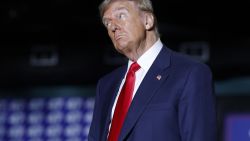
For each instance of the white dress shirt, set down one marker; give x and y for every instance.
(145, 62)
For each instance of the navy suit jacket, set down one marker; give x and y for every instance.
(180, 106)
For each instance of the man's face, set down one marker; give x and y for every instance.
(124, 22)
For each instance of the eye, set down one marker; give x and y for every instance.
(121, 16)
(107, 24)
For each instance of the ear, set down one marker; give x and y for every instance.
(148, 21)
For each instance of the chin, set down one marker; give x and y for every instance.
(121, 46)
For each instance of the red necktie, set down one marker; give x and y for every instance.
(123, 103)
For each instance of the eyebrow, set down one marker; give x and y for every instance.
(116, 9)
(121, 8)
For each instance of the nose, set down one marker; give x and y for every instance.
(114, 26)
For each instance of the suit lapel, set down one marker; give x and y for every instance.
(111, 95)
(152, 81)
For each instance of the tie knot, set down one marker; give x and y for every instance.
(134, 67)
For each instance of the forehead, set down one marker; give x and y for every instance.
(119, 6)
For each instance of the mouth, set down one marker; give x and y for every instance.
(118, 37)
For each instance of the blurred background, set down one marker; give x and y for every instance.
(53, 52)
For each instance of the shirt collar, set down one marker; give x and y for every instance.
(147, 59)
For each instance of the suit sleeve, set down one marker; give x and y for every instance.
(197, 113)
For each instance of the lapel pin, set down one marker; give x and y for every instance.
(158, 77)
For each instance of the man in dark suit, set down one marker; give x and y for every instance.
(171, 96)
